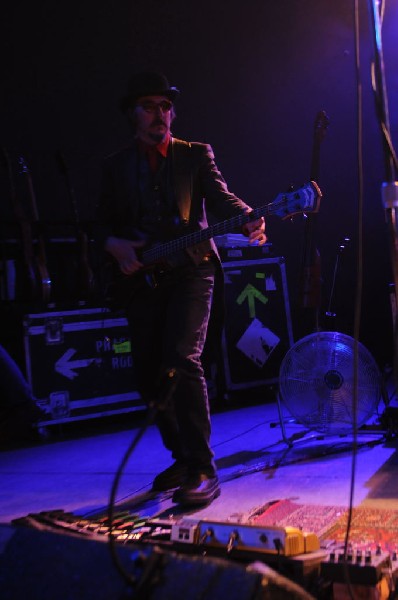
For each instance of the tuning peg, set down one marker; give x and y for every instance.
(343, 244)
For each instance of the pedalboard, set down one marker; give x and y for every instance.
(289, 550)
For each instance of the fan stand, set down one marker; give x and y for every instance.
(289, 441)
(390, 430)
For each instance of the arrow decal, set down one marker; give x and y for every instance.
(251, 294)
(65, 367)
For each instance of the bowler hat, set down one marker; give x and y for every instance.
(147, 84)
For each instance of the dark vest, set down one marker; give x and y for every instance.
(159, 215)
(157, 206)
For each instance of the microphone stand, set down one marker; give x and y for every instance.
(389, 188)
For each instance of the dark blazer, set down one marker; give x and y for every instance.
(199, 188)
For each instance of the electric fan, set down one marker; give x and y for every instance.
(317, 383)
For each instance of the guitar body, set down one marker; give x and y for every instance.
(119, 287)
(85, 274)
(311, 286)
(27, 283)
(45, 283)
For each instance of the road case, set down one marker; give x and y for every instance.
(258, 328)
(79, 364)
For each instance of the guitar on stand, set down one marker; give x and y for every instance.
(330, 312)
(85, 276)
(26, 287)
(310, 283)
(40, 259)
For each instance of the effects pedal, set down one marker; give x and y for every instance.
(286, 541)
(361, 567)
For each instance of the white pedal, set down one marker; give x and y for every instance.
(185, 531)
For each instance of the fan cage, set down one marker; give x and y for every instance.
(317, 383)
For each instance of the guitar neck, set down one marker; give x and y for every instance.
(310, 267)
(182, 243)
(85, 274)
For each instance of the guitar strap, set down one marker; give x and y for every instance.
(182, 163)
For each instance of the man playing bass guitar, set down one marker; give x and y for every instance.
(153, 191)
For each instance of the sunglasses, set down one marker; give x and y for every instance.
(152, 107)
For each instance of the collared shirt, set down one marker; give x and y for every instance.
(152, 152)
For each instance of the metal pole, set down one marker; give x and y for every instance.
(389, 188)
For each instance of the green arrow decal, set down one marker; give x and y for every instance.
(251, 293)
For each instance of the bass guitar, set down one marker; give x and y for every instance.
(310, 269)
(305, 199)
(85, 281)
(27, 287)
(45, 282)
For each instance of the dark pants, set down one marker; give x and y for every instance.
(168, 326)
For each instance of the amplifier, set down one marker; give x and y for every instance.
(258, 329)
(235, 246)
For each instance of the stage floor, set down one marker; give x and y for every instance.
(74, 470)
(302, 478)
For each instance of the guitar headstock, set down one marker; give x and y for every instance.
(320, 126)
(61, 162)
(23, 167)
(305, 199)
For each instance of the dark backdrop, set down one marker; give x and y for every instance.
(253, 76)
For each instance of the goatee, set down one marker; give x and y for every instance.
(157, 137)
